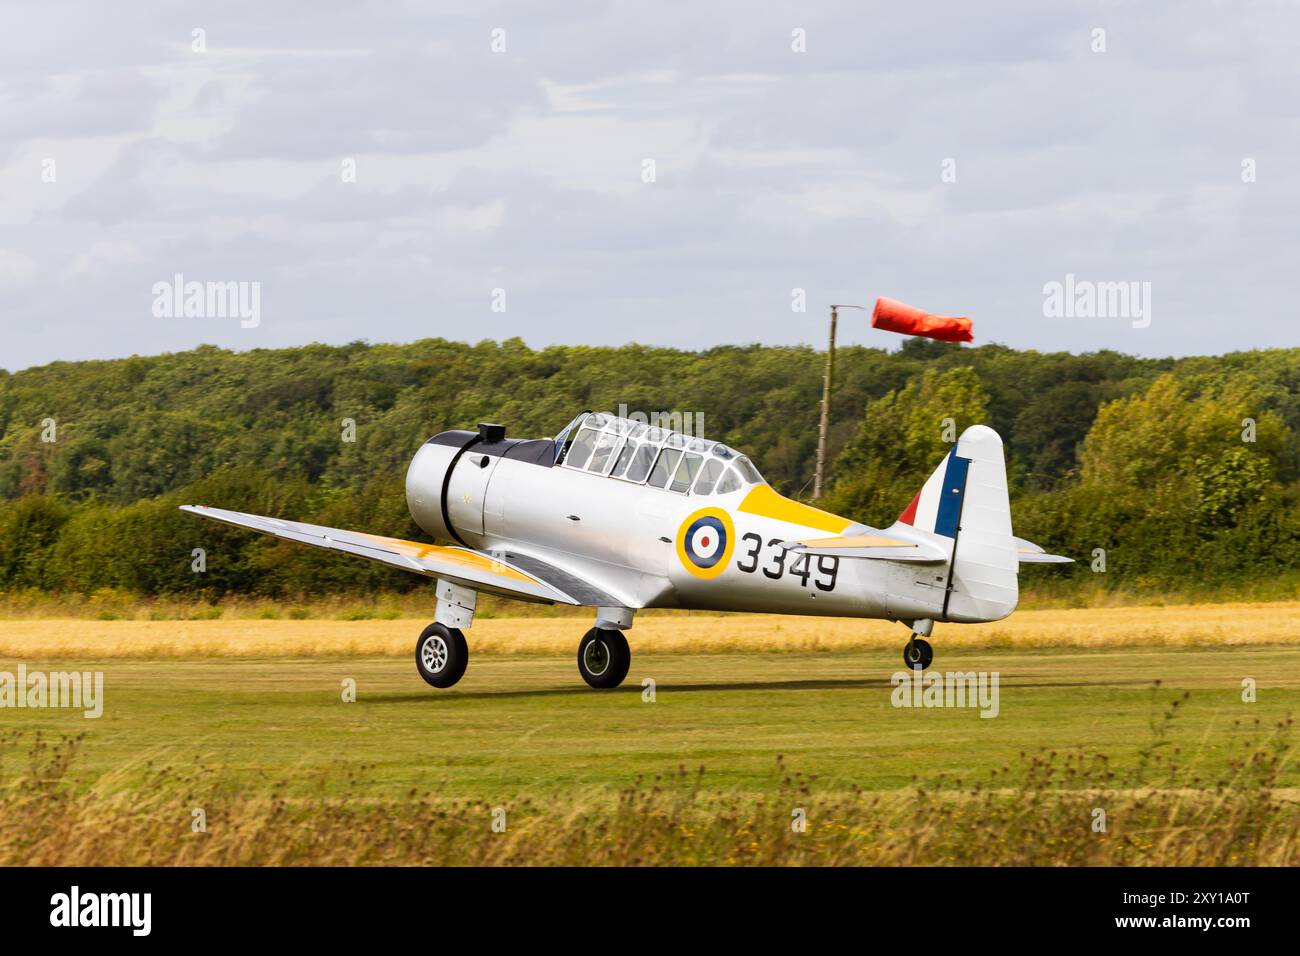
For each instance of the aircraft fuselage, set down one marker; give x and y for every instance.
(655, 547)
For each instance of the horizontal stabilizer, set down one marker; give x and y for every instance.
(875, 547)
(1029, 553)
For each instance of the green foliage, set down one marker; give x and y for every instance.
(29, 531)
(903, 437)
(1171, 489)
(1227, 484)
(1143, 458)
(1136, 441)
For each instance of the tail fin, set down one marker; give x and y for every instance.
(965, 500)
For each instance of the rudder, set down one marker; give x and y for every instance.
(965, 500)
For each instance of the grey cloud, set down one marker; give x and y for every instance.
(411, 102)
(775, 170)
(61, 107)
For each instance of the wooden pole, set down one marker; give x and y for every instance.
(819, 478)
(826, 408)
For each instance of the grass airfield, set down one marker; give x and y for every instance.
(747, 729)
(528, 725)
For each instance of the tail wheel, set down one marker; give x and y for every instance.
(918, 653)
(441, 655)
(604, 657)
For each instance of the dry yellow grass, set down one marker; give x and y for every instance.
(48, 818)
(1200, 624)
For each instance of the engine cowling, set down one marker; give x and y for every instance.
(428, 477)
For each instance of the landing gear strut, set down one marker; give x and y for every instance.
(918, 653)
(604, 657)
(441, 655)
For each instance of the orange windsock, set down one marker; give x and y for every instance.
(897, 317)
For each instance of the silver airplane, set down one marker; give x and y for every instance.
(619, 515)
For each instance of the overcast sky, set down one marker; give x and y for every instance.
(959, 158)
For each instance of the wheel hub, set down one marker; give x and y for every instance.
(433, 654)
(596, 658)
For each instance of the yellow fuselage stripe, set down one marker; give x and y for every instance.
(765, 502)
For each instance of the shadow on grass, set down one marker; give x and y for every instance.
(632, 687)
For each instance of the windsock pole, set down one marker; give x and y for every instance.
(894, 317)
(826, 402)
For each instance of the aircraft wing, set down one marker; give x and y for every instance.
(1030, 553)
(878, 547)
(495, 574)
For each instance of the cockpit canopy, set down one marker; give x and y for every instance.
(633, 451)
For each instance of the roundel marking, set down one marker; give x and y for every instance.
(705, 542)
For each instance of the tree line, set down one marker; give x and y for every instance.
(1167, 471)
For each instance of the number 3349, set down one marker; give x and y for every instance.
(823, 572)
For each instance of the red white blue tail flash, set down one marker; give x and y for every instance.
(964, 504)
(937, 506)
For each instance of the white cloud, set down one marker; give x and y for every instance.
(16, 269)
(524, 169)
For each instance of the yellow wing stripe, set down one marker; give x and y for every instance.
(765, 502)
(857, 541)
(466, 559)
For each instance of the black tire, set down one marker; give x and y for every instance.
(604, 657)
(446, 658)
(918, 653)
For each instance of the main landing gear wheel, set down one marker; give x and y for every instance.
(918, 653)
(441, 655)
(603, 657)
